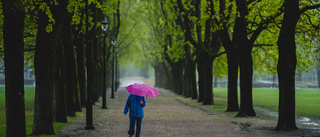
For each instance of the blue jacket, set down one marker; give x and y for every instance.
(133, 103)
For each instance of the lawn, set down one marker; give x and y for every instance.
(29, 102)
(307, 100)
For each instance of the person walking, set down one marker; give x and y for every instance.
(135, 104)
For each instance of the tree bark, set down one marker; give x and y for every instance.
(97, 54)
(13, 27)
(189, 75)
(245, 60)
(205, 79)
(59, 85)
(246, 73)
(45, 57)
(318, 75)
(233, 63)
(177, 79)
(232, 60)
(80, 58)
(71, 73)
(161, 75)
(287, 65)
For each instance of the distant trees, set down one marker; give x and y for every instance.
(239, 26)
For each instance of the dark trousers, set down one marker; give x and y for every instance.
(133, 121)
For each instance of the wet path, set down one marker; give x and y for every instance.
(165, 115)
(169, 115)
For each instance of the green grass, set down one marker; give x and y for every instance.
(307, 100)
(29, 105)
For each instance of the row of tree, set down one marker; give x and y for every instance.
(50, 35)
(186, 36)
(177, 38)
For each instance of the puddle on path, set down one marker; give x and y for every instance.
(300, 120)
(307, 121)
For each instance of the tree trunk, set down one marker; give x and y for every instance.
(160, 75)
(13, 26)
(232, 60)
(318, 70)
(187, 89)
(97, 53)
(233, 63)
(190, 75)
(156, 75)
(287, 65)
(318, 75)
(215, 83)
(79, 42)
(245, 60)
(167, 77)
(177, 70)
(205, 79)
(59, 85)
(45, 57)
(71, 73)
(246, 73)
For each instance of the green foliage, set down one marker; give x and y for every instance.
(140, 36)
(220, 67)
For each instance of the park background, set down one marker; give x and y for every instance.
(77, 49)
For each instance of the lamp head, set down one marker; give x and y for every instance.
(113, 41)
(104, 25)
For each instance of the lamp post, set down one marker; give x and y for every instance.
(89, 123)
(113, 42)
(117, 82)
(104, 27)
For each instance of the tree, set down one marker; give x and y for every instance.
(59, 106)
(49, 29)
(78, 40)
(72, 90)
(232, 57)
(239, 48)
(206, 42)
(189, 76)
(13, 27)
(287, 63)
(173, 48)
(245, 59)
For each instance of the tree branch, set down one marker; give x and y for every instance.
(261, 45)
(309, 8)
(188, 34)
(263, 25)
(127, 34)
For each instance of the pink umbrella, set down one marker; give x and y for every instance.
(142, 90)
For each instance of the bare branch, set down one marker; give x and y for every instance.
(317, 6)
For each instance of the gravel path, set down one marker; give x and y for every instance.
(169, 115)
